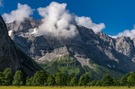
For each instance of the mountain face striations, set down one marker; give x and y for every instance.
(11, 56)
(86, 52)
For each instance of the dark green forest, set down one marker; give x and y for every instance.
(42, 78)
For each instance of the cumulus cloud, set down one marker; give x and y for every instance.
(87, 22)
(58, 21)
(126, 33)
(22, 12)
(1, 3)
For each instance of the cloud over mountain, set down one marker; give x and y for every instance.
(87, 22)
(58, 21)
(22, 12)
(126, 33)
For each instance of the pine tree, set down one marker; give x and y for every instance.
(1, 78)
(60, 79)
(29, 81)
(99, 83)
(107, 80)
(74, 81)
(51, 81)
(123, 80)
(92, 83)
(69, 78)
(18, 78)
(40, 78)
(84, 80)
(8, 76)
(131, 79)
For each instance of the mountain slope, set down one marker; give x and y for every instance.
(94, 53)
(11, 56)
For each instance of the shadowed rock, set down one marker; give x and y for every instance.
(11, 56)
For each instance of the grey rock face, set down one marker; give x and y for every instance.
(87, 47)
(125, 45)
(55, 54)
(11, 56)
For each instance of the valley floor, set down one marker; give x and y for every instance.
(24, 87)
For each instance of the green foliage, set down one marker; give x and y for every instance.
(123, 80)
(74, 81)
(99, 83)
(116, 82)
(66, 64)
(40, 78)
(29, 81)
(1, 78)
(69, 78)
(131, 79)
(107, 80)
(18, 78)
(92, 83)
(60, 79)
(51, 81)
(84, 80)
(8, 76)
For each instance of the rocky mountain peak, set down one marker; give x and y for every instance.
(87, 48)
(125, 45)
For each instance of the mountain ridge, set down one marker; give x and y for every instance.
(86, 47)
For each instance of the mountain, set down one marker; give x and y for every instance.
(11, 56)
(86, 52)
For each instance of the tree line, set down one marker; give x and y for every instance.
(42, 78)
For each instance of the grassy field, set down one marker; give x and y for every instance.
(11, 87)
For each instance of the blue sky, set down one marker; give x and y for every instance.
(117, 15)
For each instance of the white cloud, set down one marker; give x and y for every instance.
(127, 33)
(87, 22)
(22, 12)
(60, 22)
(57, 21)
(1, 3)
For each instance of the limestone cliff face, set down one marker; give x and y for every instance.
(87, 47)
(11, 56)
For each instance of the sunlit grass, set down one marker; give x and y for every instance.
(24, 87)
